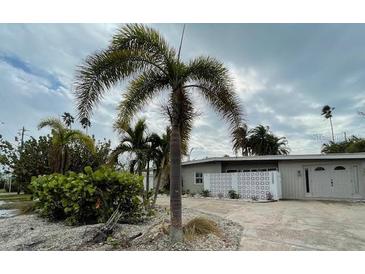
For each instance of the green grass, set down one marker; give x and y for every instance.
(14, 197)
(22, 202)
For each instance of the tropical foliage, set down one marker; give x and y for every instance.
(241, 141)
(90, 197)
(162, 161)
(142, 54)
(81, 156)
(134, 140)
(61, 139)
(41, 156)
(68, 119)
(6, 152)
(32, 159)
(352, 145)
(259, 141)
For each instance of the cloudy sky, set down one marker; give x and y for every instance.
(283, 75)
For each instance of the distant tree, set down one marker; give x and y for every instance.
(262, 142)
(351, 145)
(33, 159)
(327, 113)
(80, 155)
(6, 154)
(241, 141)
(85, 123)
(61, 139)
(68, 119)
(134, 140)
(162, 160)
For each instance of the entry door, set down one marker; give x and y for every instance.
(331, 181)
(320, 181)
(342, 182)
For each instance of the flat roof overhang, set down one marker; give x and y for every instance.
(268, 158)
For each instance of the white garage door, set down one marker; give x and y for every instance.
(331, 181)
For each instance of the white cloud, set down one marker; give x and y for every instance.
(290, 108)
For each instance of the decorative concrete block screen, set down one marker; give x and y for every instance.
(249, 185)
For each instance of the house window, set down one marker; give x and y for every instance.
(306, 174)
(340, 168)
(198, 177)
(319, 168)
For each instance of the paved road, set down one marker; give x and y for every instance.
(290, 225)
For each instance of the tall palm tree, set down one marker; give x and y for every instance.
(327, 113)
(263, 142)
(142, 54)
(68, 119)
(241, 141)
(134, 139)
(61, 138)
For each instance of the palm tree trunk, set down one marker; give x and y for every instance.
(147, 184)
(158, 182)
(148, 177)
(176, 233)
(333, 135)
(62, 160)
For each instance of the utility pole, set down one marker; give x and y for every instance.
(345, 136)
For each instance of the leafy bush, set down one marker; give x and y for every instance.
(89, 197)
(220, 195)
(200, 226)
(205, 193)
(269, 196)
(233, 195)
(254, 198)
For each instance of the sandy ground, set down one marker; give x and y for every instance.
(29, 232)
(290, 225)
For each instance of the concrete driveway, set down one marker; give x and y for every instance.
(290, 225)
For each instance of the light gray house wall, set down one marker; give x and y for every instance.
(293, 176)
(188, 175)
(291, 169)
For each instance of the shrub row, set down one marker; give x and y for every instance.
(90, 197)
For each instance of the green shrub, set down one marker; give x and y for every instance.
(89, 197)
(205, 193)
(233, 195)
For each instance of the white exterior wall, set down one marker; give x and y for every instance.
(188, 175)
(293, 185)
(247, 184)
(151, 180)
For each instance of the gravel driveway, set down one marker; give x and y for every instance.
(290, 225)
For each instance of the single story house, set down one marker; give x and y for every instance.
(320, 176)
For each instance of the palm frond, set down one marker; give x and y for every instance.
(82, 137)
(240, 140)
(53, 123)
(143, 38)
(139, 92)
(120, 149)
(103, 70)
(212, 79)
